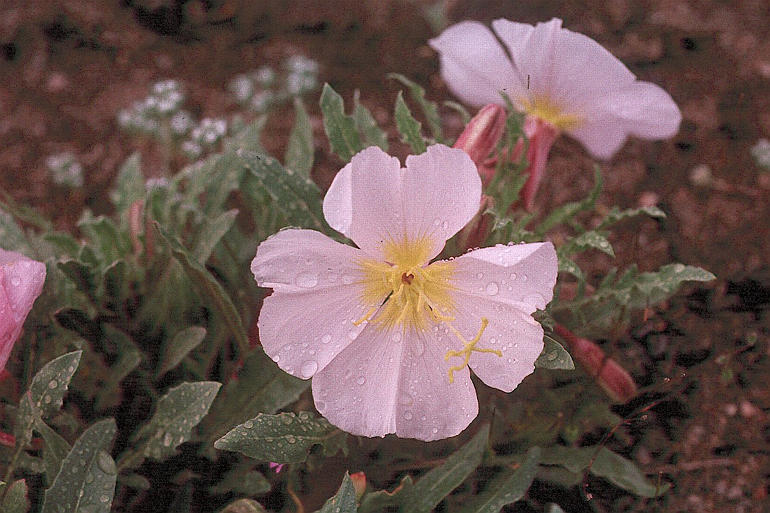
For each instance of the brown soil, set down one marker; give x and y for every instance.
(68, 66)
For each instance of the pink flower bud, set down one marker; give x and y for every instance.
(481, 136)
(276, 466)
(359, 484)
(609, 374)
(21, 281)
(541, 135)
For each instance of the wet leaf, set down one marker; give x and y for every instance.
(616, 215)
(439, 482)
(429, 108)
(282, 438)
(243, 506)
(300, 152)
(179, 346)
(554, 356)
(109, 243)
(383, 500)
(588, 240)
(340, 128)
(243, 482)
(210, 233)
(55, 450)
(344, 501)
(508, 487)
(86, 481)
(408, 127)
(367, 126)
(15, 500)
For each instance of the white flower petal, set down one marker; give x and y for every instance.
(510, 330)
(309, 317)
(358, 390)
(364, 200)
(429, 407)
(474, 65)
(522, 275)
(441, 194)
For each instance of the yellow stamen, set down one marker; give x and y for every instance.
(469, 347)
(366, 317)
(546, 109)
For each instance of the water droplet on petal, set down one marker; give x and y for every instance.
(406, 399)
(408, 415)
(309, 368)
(396, 336)
(436, 222)
(513, 276)
(326, 339)
(492, 288)
(445, 225)
(347, 280)
(306, 280)
(419, 347)
(360, 380)
(479, 275)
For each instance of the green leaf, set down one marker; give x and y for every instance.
(211, 232)
(439, 482)
(367, 126)
(588, 240)
(261, 387)
(46, 392)
(177, 413)
(282, 438)
(208, 287)
(569, 210)
(129, 358)
(224, 177)
(344, 501)
(64, 243)
(465, 117)
(408, 127)
(249, 138)
(616, 215)
(12, 236)
(55, 450)
(15, 500)
(295, 196)
(179, 346)
(243, 506)
(86, 482)
(109, 243)
(383, 500)
(604, 463)
(429, 108)
(568, 266)
(247, 483)
(507, 488)
(129, 185)
(554, 356)
(300, 152)
(340, 128)
(81, 275)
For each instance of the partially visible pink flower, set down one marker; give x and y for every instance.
(21, 281)
(565, 79)
(481, 136)
(276, 466)
(387, 336)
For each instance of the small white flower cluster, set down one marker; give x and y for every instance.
(65, 169)
(761, 153)
(207, 134)
(265, 88)
(163, 103)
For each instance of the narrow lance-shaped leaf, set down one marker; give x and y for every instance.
(179, 346)
(554, 356)
(15, 500)
(55, 450)
(209, 288)
(129, 186)
(344, 501)
(340, 128)
(408, 127)
(439, 482)
(570, 210)
(299, 154)
(177, 413)
(282, 438)
(211, 232)
(383, 500)
(86, 481)
(616, 215)
(429, 108)
(507, 488)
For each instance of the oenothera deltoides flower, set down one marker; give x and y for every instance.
(387, 335)
(21, 281)
(562, 80)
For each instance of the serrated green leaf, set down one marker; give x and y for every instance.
(295, 196)
(568, 266)
(439, 482)
(616, 215)
(282, 438)
(465, 116)
(15, 500)
(176, 414)
(507, 488)
(300, 152)
(408, 127)
(604, 463)
(211, 232)
(261, 387)
(344, 501)
(340, 128)
(383, 500)
(588, 240)
(129, 185)
(208, 287)
(243, 506)
(114, 283)
(554, 356)
(50, 383)
(429, 108)
(55, 450)
(367, 126)
(86, 482)
(81, 275)
(176, 348)
(567, 211)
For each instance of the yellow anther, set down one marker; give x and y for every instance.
(468, 348)
(366, 316)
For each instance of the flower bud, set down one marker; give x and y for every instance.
(359, 484)
(481, 136)
(541, 135)
(609, 374)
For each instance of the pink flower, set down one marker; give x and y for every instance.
(481, 136)
(387, 336)
(21, 281)
(565, 79)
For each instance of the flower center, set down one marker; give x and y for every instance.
(546, 109)
(411, 295)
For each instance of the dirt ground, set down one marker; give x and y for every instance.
(703, 360)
